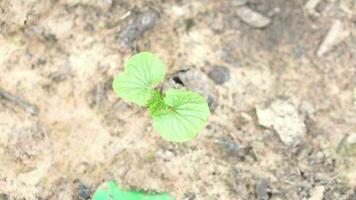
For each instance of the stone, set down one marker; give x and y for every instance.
(262, 190)
(84, 191)
(252, 18)
(245, 118)
(140, 24)
(317, 193)
(219, 74)
(194, 80)
(310, 7)
(284, 118)
(337, 33)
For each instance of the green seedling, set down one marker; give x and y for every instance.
(178, 115)
(110, 191)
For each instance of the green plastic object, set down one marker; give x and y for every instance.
(110, 191)
(178, 115)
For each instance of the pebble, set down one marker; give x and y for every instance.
(194, 80)
(310, 7)
(141, 23)
(336, 34)
(262, 190)
(219, 74)
(84, 191)
(190, 196)
(245, 118)
(165, 155)
(284, 118)
(317, 193)
(252, 17)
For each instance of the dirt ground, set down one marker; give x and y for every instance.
(279, 76)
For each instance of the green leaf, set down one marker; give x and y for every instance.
(111, 191)
(156, 104)
(184, 117)
(142, 72)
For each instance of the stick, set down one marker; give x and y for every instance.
(32, 109)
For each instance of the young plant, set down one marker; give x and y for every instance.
(178, 115)
(110, 191)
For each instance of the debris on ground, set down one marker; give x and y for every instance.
(317, 193)
(310, 7)
(252, 18)
(195, 80)
(336, 34)
(83, 192)
(284, 118)
(140, 24)
(245, 118)
(262, 190)
(30, 108)
(219, 74)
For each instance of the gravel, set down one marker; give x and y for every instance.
(219, 74)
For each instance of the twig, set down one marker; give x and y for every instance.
(32, 109)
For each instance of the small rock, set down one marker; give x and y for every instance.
(165, 155)
(138, 26)
(219, 74)
(262, 190)
(336, 34)
(317, 193)
(84, 191)
(252, 17)
(194, 80)
(310, 7)
(347, 145)
(229, 145)
(189, 196)
(284, 118)
(245, 118)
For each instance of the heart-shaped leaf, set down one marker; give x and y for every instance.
(185, 115)
(110, 191)
(142, 72)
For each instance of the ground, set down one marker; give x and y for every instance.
(283, 119)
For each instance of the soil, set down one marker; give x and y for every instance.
(64, 132)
